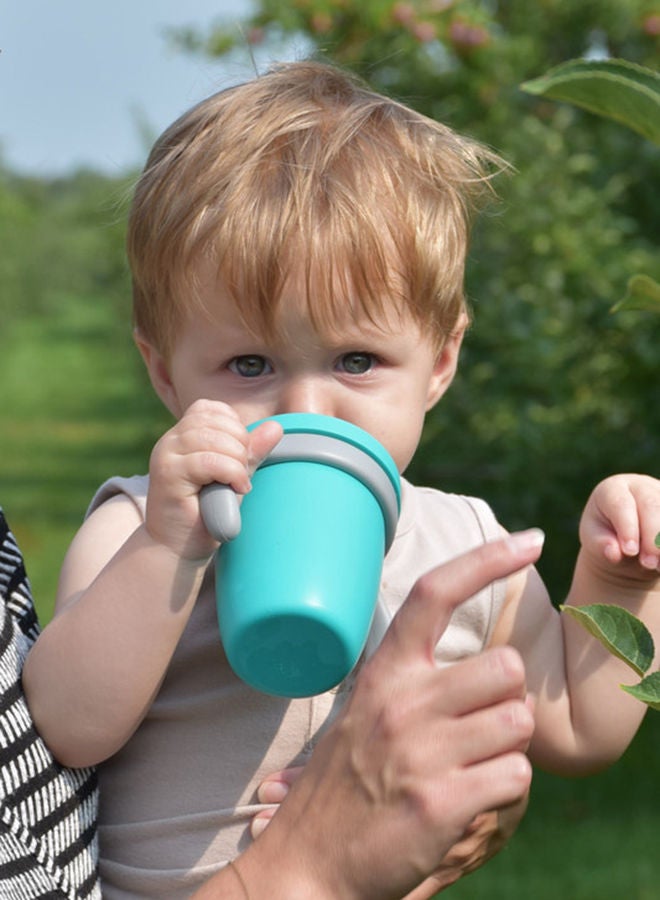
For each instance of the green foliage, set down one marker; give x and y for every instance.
(625, 93)
(643, 293)
(619, 631)
(647, 691)
(630, 95)
(61, 236)
(613, 88)
(76, 405)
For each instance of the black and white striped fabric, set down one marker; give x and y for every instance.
(48, 844)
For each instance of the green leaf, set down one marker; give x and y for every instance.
(613, 88)
(619, 631)
(648, 690)
(643, 293)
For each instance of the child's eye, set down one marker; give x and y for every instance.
(250, 366)
(356, 363)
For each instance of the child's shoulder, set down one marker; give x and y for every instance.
(435, 527)
(427, 506)
(134, 488)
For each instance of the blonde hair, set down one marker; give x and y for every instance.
(305, 166)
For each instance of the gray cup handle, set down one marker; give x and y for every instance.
(220, 511)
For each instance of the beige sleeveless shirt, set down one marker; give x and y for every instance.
(177, 800)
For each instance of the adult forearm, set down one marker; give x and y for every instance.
(265, 873)
(94, 670)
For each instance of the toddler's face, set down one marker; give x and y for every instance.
(382, 376)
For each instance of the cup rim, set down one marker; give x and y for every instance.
(330, 426)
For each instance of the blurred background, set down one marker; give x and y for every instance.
(554, 391)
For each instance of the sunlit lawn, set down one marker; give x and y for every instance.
(588, 839)
(77, 408)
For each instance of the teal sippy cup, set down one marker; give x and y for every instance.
(299, 566)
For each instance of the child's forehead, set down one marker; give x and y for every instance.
(330, 305)
(344, 322)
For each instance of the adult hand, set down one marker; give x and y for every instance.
(415, 756)
(483, 838)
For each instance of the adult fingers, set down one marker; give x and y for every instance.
(422, 619)
(469, 790)
(483, 839)
(502, 728)
(509, 778)
(495, 675)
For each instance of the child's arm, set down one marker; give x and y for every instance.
(584, 721)
(127, 589)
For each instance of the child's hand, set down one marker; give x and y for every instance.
(208, 444)
(621, 523)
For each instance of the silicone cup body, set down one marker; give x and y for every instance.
(296, 589)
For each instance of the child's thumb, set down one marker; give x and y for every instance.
(262, 441)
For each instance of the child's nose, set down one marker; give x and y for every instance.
(306, 395)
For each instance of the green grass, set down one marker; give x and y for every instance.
(586, 839)
(77, 408)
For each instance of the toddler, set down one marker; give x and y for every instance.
(297, 244)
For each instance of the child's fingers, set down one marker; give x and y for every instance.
(275, 787)
(261, 821)
(208, 444)
(649, 554)
(627, 519)
(647, 497)
(614, 527)
(262, 440)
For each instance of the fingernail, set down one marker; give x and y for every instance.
(258, 825)
(527, 540)
(273, 791)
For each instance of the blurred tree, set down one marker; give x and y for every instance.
(17, 223)
(58, 237)
(553, 392)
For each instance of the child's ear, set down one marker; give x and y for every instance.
(158, 372)
(446, 363)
